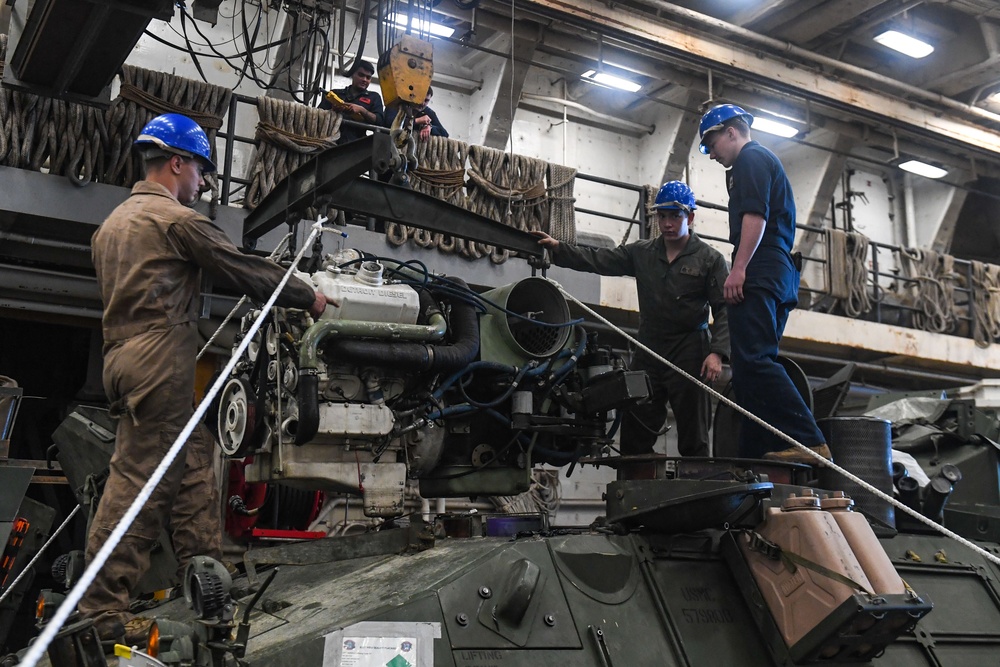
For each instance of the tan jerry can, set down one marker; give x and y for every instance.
(867, 549)
(801, 600)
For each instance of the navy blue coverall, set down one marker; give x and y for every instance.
(757, 184)
(368, 99)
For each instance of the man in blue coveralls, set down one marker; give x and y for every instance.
(762, 287)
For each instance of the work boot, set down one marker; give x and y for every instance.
(796, 455)
(110, 632)
(137, 632)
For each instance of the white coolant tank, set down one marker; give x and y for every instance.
(364, 297)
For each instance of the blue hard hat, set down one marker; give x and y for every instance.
(715, 119)
(675, 194)
(179, 134)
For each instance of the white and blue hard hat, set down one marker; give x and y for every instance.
(176, 133)
(715, 119)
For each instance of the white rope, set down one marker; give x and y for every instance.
(243, 299)
(73, 597)
(858, 302)
(830, 464)
(38, 555)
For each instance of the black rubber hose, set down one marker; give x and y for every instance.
(428, 305)
(405, 356)
(465, 333)
(308, 395)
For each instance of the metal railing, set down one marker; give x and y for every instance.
(890, 292)
(238, 103)
(888, 288)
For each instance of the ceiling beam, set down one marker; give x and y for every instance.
(725, 55)
(680, 149)
(752, 15)
(871, 20)
(821, 20)
(986, 73)
(981, 74)
(508, 95)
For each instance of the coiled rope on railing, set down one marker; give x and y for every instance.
(440, 174)
(992, 557)
(71, 140)
(5, 95)
(510, 189)
(986, 303)
(73, 596)
(847, 271)
(652, 224)
(933, 292)
(562, 218)
(507, 188)
(19, 129)
(287, 135)
(87, 144)
(146, 94)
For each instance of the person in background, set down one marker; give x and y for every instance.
(425, 121)
(149, 255)
(679, 278)
(356, 102)
(762, 287)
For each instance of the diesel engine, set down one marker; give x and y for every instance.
(412, 375)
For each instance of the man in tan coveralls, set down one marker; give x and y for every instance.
(149, 255)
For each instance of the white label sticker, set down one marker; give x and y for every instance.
(379, 652)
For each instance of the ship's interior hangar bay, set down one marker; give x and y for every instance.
(564, 117)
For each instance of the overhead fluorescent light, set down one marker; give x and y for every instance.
(905, 44)
(774, 127)
(612, 81)
(922, 169)
(422, 26)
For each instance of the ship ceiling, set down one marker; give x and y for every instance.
(813, 64)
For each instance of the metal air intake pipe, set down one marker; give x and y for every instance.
(308, 390)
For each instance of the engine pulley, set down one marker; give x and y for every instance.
(238, 425)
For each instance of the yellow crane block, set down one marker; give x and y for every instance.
(405, 73)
